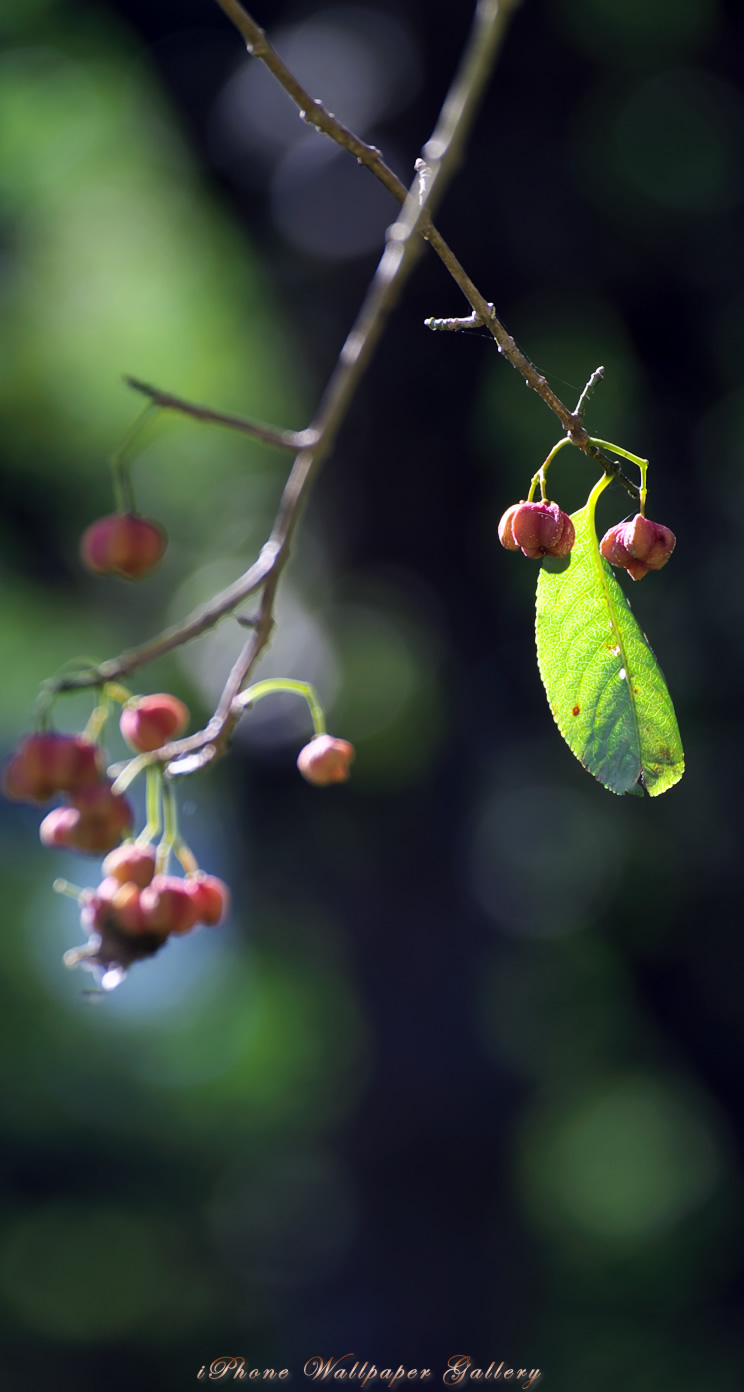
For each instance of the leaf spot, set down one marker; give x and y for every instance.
(576, 710)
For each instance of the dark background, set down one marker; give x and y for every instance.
(462, 1073)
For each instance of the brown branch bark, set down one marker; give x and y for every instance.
(490, 17)
(402, 250)
(405, 241)
(268, 434)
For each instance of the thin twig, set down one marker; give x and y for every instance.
(402, 250)
(471, 321)
(401, 253)
(489, 13)
(582, 402)
(311, 111)
(403, 247)
(199, 621)
(270, 434)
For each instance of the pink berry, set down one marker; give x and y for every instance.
(167, 906)
(126, 906)
(44, 765)
(123, 544)
(151, 721)
(113, 907)
(505, 527)
(326, 760)
(210, 896)
(537, 529)
(94, 822)
(638, 546)
(59, 828)
(130, 864)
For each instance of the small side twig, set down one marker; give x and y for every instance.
(471, 321)
(583, 400)
(402, 250)
(271, 435)
(405, 242)
(490, 18)
(401, 253)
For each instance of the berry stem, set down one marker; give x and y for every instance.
(624, 454)
(97, 720)
(592, 500)
(267, 688)
(539, 477)
(643, 466)
(116, 692)
(170, 824)
(186, 856)
(131, 770)
(154, 818)
(172, 839)
(123, 490)
(124, 499)
(64, 887)
(54, 687)
(634, 459)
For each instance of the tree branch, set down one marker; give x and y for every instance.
(490, 19)
(402, 250)
(271, 435)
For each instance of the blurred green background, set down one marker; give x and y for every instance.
(462, 1072)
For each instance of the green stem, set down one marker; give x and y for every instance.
(615, 449)
(98, 717)
(154, 818)
(643, 466)
(131, 771)
(634, 459)
(539, 477)
(592, 500)
(64, 887)
(172, 839)
(186, 856)
(267, 688)
(123, 491)
(116, 692)
(170, 825)
(50, 690)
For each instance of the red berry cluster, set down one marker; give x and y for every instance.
(94, 817)
(134, 910)
(537, 529)
(123, 544)
(137, 906)
(638, 546)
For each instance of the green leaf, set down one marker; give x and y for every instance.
(605, 687)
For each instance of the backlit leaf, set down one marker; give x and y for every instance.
(606, 689)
